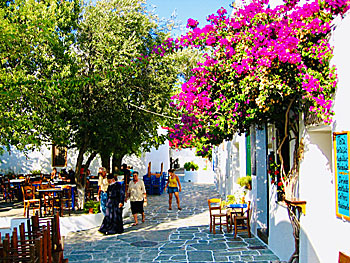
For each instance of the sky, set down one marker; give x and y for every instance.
(185, 9)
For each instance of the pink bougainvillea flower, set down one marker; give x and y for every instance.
(191, 23)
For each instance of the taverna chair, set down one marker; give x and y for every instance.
(241, 221)
(29, 200)
(218, 216)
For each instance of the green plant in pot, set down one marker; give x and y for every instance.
(92, 207)
(231, 199)
(36, 172)
(238, 197)
(191, 166)
(245, 182)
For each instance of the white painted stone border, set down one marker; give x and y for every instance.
(67, 224)
(203, 176)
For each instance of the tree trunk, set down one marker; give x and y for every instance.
(285, 138)
(291, 177)
(106, 161)
(90, 159)
(80, 179)
(116, 162)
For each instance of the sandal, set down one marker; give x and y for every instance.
(134, 224)
(179, 208)
(170, 208)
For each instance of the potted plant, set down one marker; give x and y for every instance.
(231, 199)
(92, 207)
(245, 182)
(10, 175)
(191, 166)
(191, 174)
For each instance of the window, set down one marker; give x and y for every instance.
(59, 156)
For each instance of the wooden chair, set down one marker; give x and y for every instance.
(217, 216)
(29, 200)
(56, 242)
(14, 250)
(41, 243)
(52, 223)
(36, 185)
(57, 203)
(67, 198)
(242, 221)
(89, 191)
(47, 200)
(8, 190)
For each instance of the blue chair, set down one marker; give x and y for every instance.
(148, 184)
(157, 185)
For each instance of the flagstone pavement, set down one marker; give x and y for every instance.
(169, 236)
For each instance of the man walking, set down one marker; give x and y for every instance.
(138, 197)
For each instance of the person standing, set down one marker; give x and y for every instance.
(138, 197)
(55, 175)
(174, 187)
(130, 168)
(71, 176)
(113, 221)
(102, 189)
(126, 173)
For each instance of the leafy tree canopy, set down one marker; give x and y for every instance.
(87, 76)
(34, 39)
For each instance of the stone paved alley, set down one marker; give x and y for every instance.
(169, 236)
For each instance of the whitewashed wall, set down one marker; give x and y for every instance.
(156, 157)
(323, 235)
(41, 159)
(19, 163)
(230, 164)
(317, 189)
(281, 240)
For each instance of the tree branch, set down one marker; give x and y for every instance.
(286, 123)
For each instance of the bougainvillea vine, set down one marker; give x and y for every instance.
(257, 61)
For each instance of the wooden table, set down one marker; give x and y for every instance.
(94, 184)
(234, 209)
(73, 187)
(93, 181)
(43, 192)
(17, 180)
